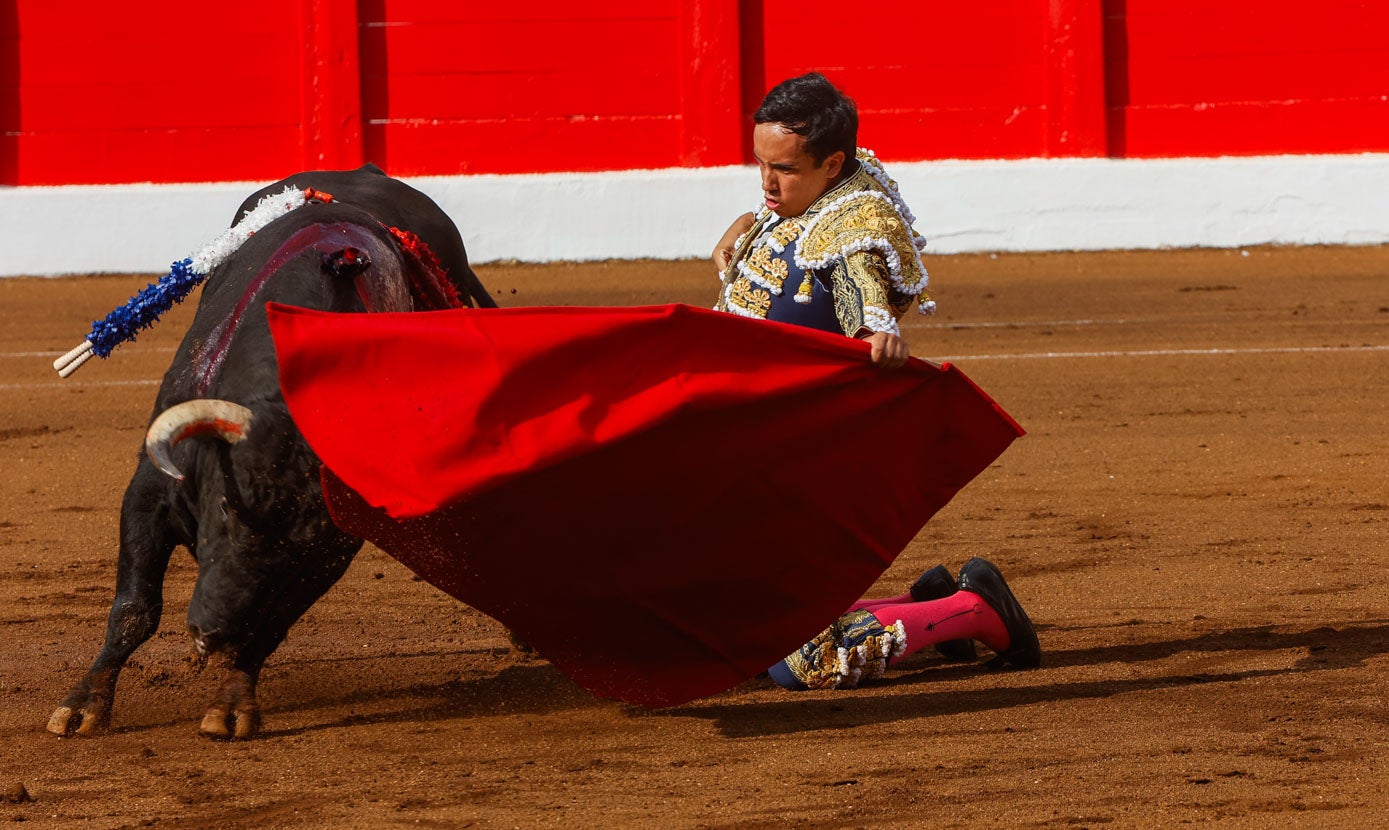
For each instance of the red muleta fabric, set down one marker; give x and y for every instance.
(662, 501)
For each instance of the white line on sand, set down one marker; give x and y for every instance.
(1166, 353)
(951, 358)
(56, 353)
(1032, 324)
(78, 384)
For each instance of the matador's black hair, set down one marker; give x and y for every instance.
(813, 107)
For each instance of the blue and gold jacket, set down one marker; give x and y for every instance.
(851, 263)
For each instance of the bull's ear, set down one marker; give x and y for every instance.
(347, 263)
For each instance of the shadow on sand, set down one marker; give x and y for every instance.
(537, 687)
(1327, 648)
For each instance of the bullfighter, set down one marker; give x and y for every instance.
(833, 248)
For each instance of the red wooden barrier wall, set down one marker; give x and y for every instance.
(97, 92)
(94, 92)
(472, 87)
(1201, 78)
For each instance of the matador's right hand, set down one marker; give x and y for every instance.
(723, 252)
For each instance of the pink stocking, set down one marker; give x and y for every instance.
(961, 616)
(871, 604)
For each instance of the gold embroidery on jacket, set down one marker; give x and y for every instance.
(786, 232)
(766, 269)
(862, 221)
(848, 305)
(749, 297)
(869, 271)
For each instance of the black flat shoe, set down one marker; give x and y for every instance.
(979, 576)
(937, 583)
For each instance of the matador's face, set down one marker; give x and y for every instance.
(791, 180)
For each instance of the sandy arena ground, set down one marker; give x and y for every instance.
(1197, 522)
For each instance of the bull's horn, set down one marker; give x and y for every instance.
(202, 416)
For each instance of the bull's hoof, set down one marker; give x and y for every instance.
(86, 711)
(223, 724)
(236, 714)
(86, 722)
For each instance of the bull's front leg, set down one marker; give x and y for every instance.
(144, 557)
(235, 711)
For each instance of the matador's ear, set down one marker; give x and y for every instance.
(834, 163)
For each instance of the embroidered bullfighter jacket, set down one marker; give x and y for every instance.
(851, 263)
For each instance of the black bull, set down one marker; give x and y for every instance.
(252, 513)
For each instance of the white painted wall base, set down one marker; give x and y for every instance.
(962, 206)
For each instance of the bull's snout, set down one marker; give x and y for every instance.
(206, 642)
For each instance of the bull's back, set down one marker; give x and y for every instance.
(395, 203)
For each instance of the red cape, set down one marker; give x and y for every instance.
(662, 501)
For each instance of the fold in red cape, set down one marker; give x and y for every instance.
(662, 501)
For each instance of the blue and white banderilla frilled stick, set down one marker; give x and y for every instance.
(142, 310)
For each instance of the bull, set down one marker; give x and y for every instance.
(249, 507)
